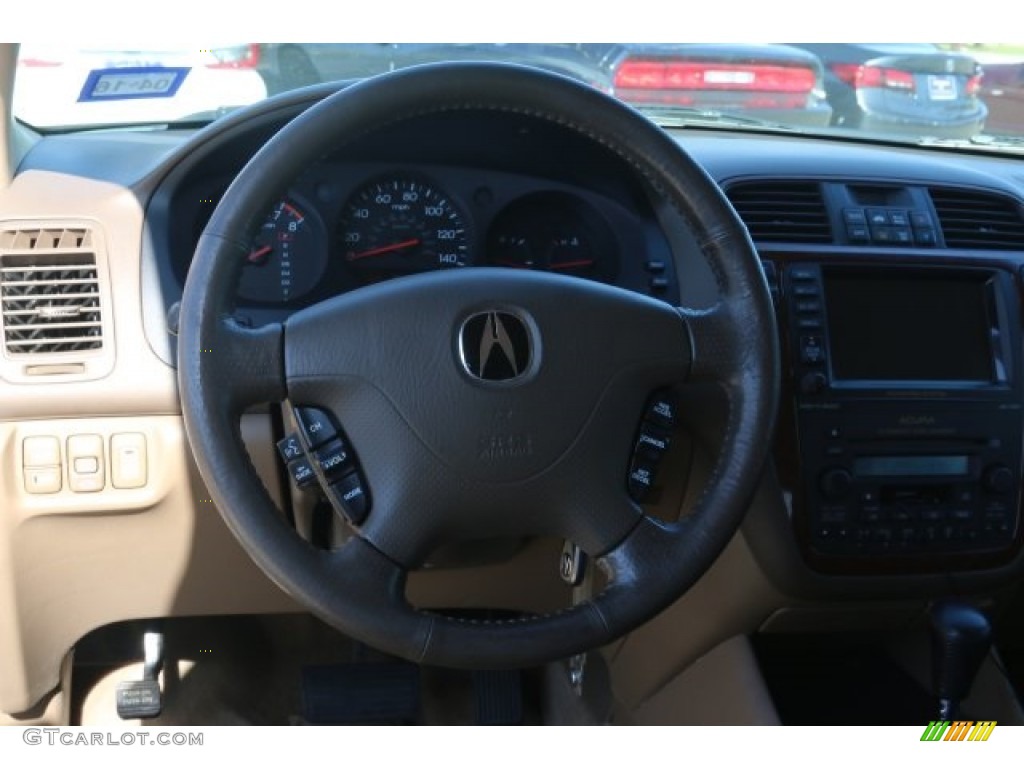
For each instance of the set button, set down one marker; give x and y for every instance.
(652, 442)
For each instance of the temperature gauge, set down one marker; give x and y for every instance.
(555, 232)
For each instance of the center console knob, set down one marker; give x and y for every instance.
(998, 479)
(835, 482)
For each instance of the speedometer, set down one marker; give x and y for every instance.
(396, 226)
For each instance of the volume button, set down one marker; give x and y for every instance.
(835, 483)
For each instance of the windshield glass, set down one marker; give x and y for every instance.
(969, 94)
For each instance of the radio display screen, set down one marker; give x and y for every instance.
(909, 326)
(911, 466)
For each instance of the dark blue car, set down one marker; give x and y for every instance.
(904, 88)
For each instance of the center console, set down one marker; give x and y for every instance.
(908, 420)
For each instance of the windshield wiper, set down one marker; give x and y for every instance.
(993, 142)
(684, 117)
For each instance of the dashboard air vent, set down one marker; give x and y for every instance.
(782, 212)
(980, 220)
(50, 292)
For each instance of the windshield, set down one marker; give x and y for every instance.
(969, 94)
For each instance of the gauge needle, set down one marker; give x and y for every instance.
(571, 264)
(257, 256)
(383, 249)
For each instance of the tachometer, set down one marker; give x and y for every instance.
(287, 257)
(397, 226)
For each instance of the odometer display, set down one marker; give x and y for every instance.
(399, 226)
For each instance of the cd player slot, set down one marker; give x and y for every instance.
(916, 495)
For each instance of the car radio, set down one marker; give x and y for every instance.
(907, 388)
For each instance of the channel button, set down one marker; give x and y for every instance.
(316, 426)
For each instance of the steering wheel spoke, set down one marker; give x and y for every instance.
(713, 334)
(250, 360)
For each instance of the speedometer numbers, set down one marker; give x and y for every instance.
(400, 226)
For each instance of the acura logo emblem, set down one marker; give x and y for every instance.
(495, 346)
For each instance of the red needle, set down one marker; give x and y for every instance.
(383, 249)
(259, 253)
(571, 264)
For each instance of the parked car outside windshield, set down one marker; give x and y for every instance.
(904, 92)
(63, 86)
(912, 88)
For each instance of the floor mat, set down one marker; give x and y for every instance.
(830, 680)
(250, 670)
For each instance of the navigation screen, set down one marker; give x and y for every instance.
(911, 326)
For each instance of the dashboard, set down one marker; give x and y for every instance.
(895, 285)
(897, 459)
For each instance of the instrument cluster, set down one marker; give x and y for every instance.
(342, 226)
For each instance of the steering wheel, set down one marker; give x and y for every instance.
(398, 364)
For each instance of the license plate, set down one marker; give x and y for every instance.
(728, 77)
(941, 87)
(132, 83)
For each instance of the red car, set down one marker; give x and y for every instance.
(775, 83)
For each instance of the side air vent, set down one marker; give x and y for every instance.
(979, 220)
(52, 302)
(782, 212)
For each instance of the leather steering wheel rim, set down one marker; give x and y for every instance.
(359, 588)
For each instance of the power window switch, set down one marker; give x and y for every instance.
(85, 463)
(128, 461)
(42, 479)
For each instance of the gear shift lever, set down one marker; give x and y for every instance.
(961, 638)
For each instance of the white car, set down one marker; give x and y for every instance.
(58, 86)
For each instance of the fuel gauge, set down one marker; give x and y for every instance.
(555, 232)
